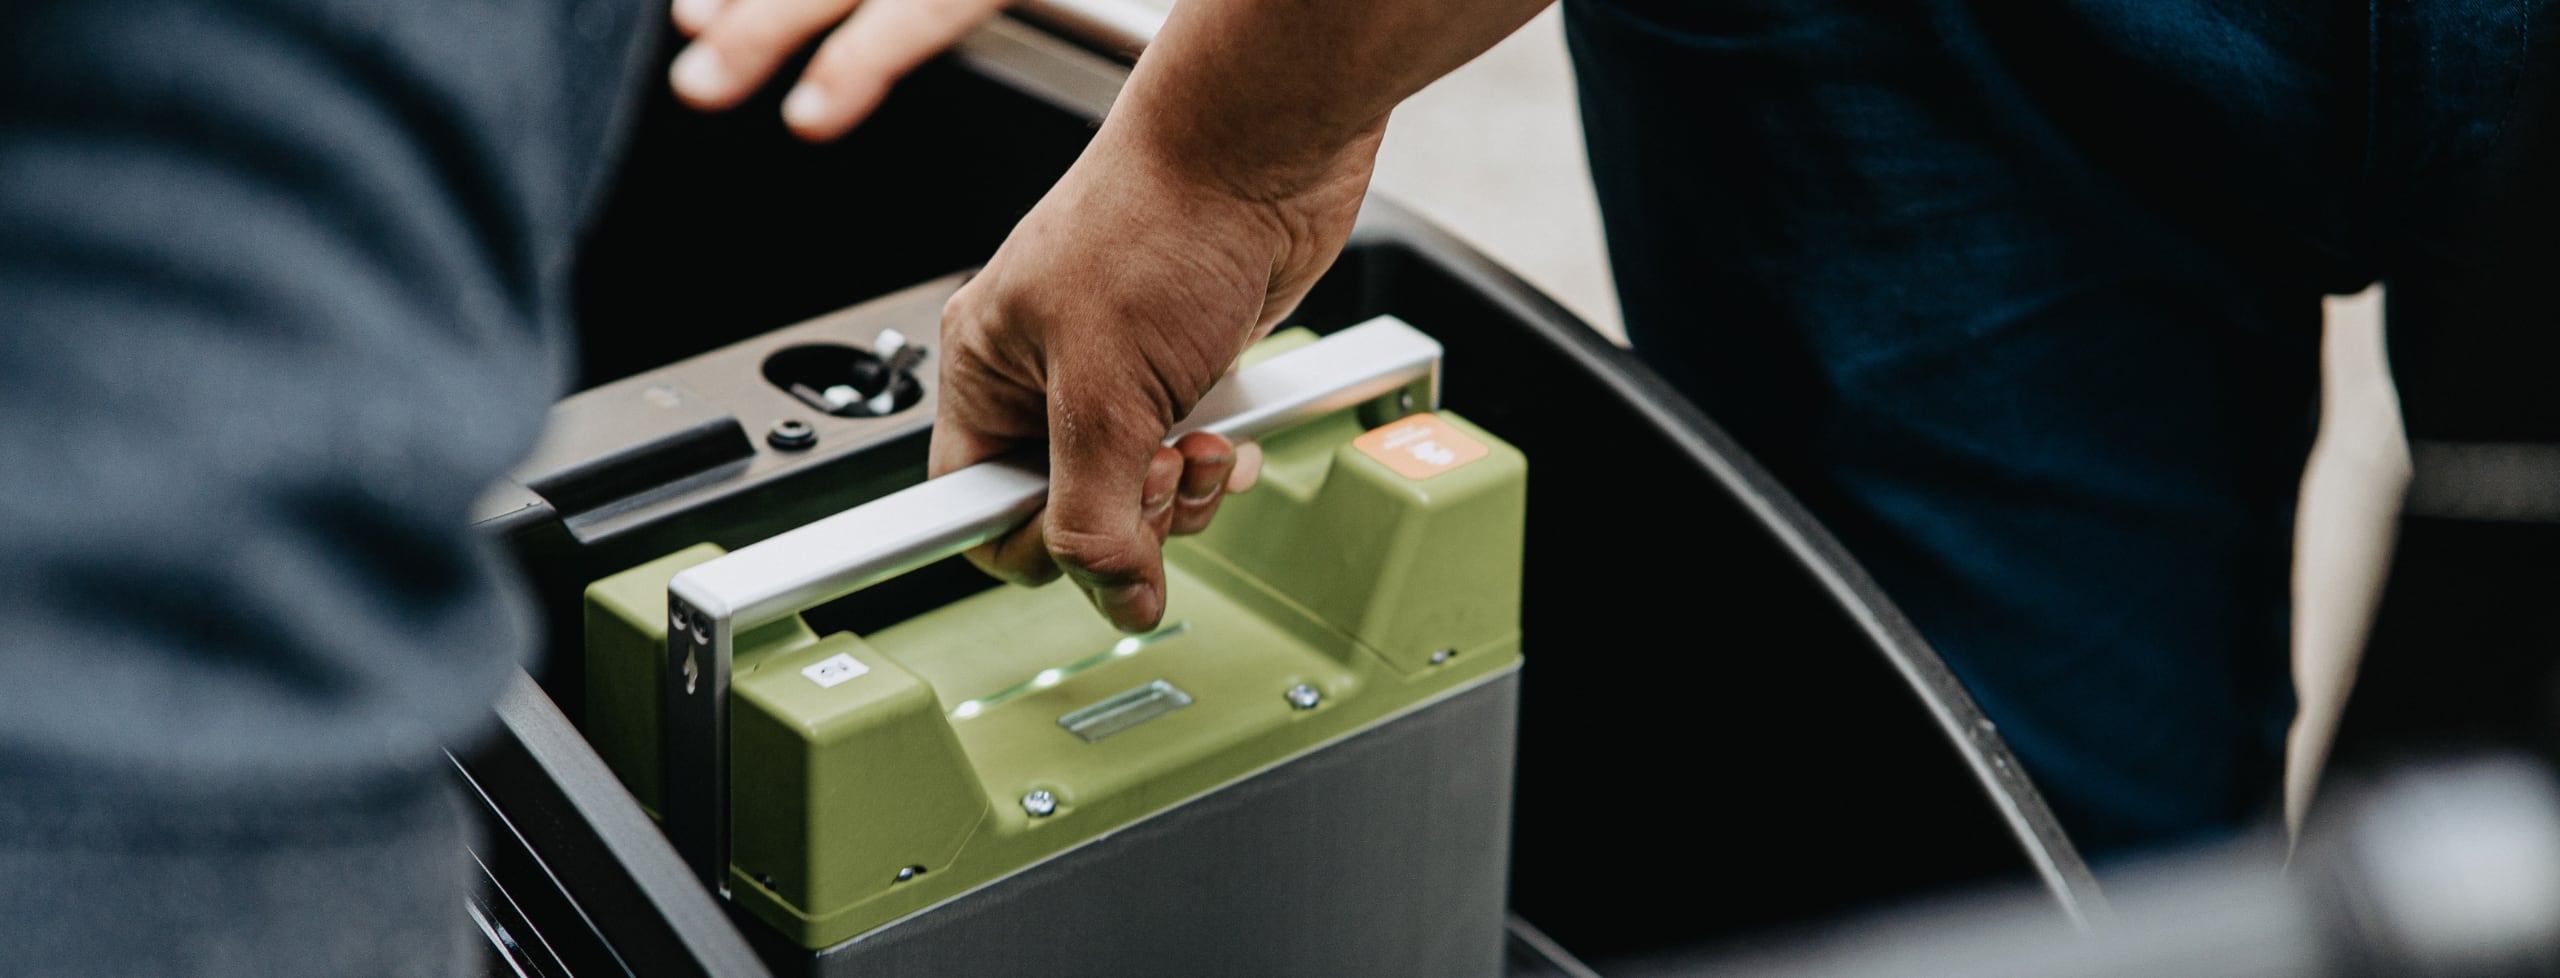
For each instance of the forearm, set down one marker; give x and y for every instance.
(1262, 95)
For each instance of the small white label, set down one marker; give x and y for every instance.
(834, 670)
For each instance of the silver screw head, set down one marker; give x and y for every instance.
(1443, 656)
(910, 872)
(1303, 696)
(1040, 803)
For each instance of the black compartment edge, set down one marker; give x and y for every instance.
(1400, 263)
(559, 828)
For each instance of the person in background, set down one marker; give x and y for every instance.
(738, 45)
(283, 288)
(2022, 300)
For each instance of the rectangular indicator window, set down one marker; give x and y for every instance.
(1124, 711)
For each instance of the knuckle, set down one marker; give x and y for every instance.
(1030, 570)
(1014, 565)
(1203, 448)
(1098, 557)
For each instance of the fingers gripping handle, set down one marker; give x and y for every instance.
(765, 582)
(841, 554)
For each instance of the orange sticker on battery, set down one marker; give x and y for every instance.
(1421, 446)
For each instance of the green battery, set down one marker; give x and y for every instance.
(1372, 572)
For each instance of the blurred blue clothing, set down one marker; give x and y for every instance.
(283, 286)
(2024, 300)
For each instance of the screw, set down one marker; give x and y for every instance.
(1443, 655)
(1404, 401)
(1303, 696)
(1040, 803)
(764, 880)
(791, 435)
(909, 873)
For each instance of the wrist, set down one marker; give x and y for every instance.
(1258, 146)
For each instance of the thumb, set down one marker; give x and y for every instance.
(1111, 491)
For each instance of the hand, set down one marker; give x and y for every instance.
(1115, 304)
(738, 44)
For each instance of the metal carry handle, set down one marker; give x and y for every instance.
(779, 577)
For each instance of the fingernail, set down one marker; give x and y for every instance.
(1131, 607)
(1196, 490)
(699, 73)
(806, 107)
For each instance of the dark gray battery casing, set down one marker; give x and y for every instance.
(1382, 854)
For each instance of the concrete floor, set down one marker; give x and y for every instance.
(1494, 153)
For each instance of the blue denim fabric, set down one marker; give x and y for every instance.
(2023, 299)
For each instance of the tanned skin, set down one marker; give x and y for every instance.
(1223, 183)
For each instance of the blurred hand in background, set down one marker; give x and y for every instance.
(738, 45)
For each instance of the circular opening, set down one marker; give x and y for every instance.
(842, 381)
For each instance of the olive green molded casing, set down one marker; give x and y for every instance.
(864, 799)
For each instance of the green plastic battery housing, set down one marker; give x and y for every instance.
(877, 775)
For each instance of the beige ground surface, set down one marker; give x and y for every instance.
(1493, 152)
